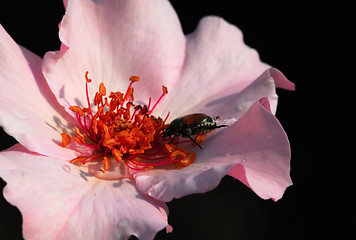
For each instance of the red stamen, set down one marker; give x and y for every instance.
(77, 110)
(134, 78)
(165, 91)
(149, 103)
(129, 89)
(98, 155)
(86, 77)
(66, 139)
(166, 117)
(129, 134)
(88, 80)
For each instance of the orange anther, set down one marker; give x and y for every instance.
(105, 118)
(129, 94)
(134, 79)
(165, 90)
(100, 110)
(108, 142)
(123, 149)
(167, 147)
(105, 164)
(187, 160)
(102, 89)
(135, 151)
(106, 130)
(77, 110)
(191, 156)
(123, 134)
(66, 139)
(86, 77)
(77, 140)
(117, 154)
(97, 98)
(114, 104)
(177, 153)
(78, 160)
(79, 134)
(95, 126)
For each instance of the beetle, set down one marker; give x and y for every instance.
(190, 125)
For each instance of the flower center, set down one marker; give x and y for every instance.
(123, 131)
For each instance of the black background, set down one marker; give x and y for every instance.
(311, 44)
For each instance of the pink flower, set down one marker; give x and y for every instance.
(210, 71)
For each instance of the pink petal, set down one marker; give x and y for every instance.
(217, 61)
(255, 150)
(199, 177)
(28, 110)
(65, 3)
(234, 102)
(60, 201)
(281, 81)
(265, 152)
(115, 40)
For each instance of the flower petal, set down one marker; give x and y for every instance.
(281, 81)
(65, 3)
(232, 104)
(115, 40)
(59, 201)
(255, 150)
(264, 148)
(28, 110)
(200, 177)
(217, 60)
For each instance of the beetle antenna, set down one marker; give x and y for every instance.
(221, 126)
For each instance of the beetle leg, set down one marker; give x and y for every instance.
(174, 138)
(193, 140)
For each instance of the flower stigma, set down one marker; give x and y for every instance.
(123, 133)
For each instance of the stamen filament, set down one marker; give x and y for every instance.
(100, 154)
(165, 91)
(166, 117)
(149, 104)
(87, 92)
